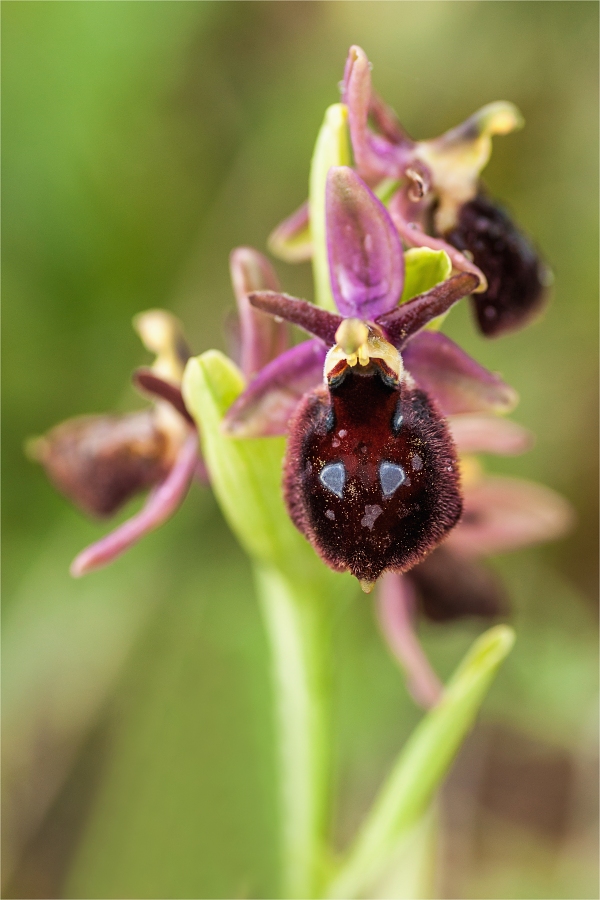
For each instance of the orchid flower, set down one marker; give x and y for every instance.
(436, 200)
(367, 275)
(396, 418)
(100, 462)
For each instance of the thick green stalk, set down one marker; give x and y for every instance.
(297, 593)
(297, 630)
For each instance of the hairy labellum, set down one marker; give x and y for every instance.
(100, 462)
(370, 475)
(514, 272)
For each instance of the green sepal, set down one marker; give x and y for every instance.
(423, 269)
(331, 149)
(422, 765)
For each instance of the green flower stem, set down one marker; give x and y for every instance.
(421, 766)
(297, 594)
(297, 631)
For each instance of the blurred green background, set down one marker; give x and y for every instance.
(142, 141)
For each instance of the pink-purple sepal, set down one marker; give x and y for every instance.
(454, 379)
(501, 514)
(489, 434)
(377, 156)
(405, 321)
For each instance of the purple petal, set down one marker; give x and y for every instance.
(406, 320)
(376, 156)
(366, 262)
(502, 514)
(261, 337)
(291, 239)
(160, 505)
(489, 434)
(396, 606)
(266, 405)
(454, 379)
(149, 383)
(311, 318)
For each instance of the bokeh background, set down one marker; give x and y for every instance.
(142, 141)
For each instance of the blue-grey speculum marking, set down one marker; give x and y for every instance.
(391, 477)
(333, 477)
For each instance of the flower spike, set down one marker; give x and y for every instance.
(100, 462)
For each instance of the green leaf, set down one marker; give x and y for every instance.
(331, 149)
(422, 765)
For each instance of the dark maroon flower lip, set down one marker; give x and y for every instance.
(370, 474)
